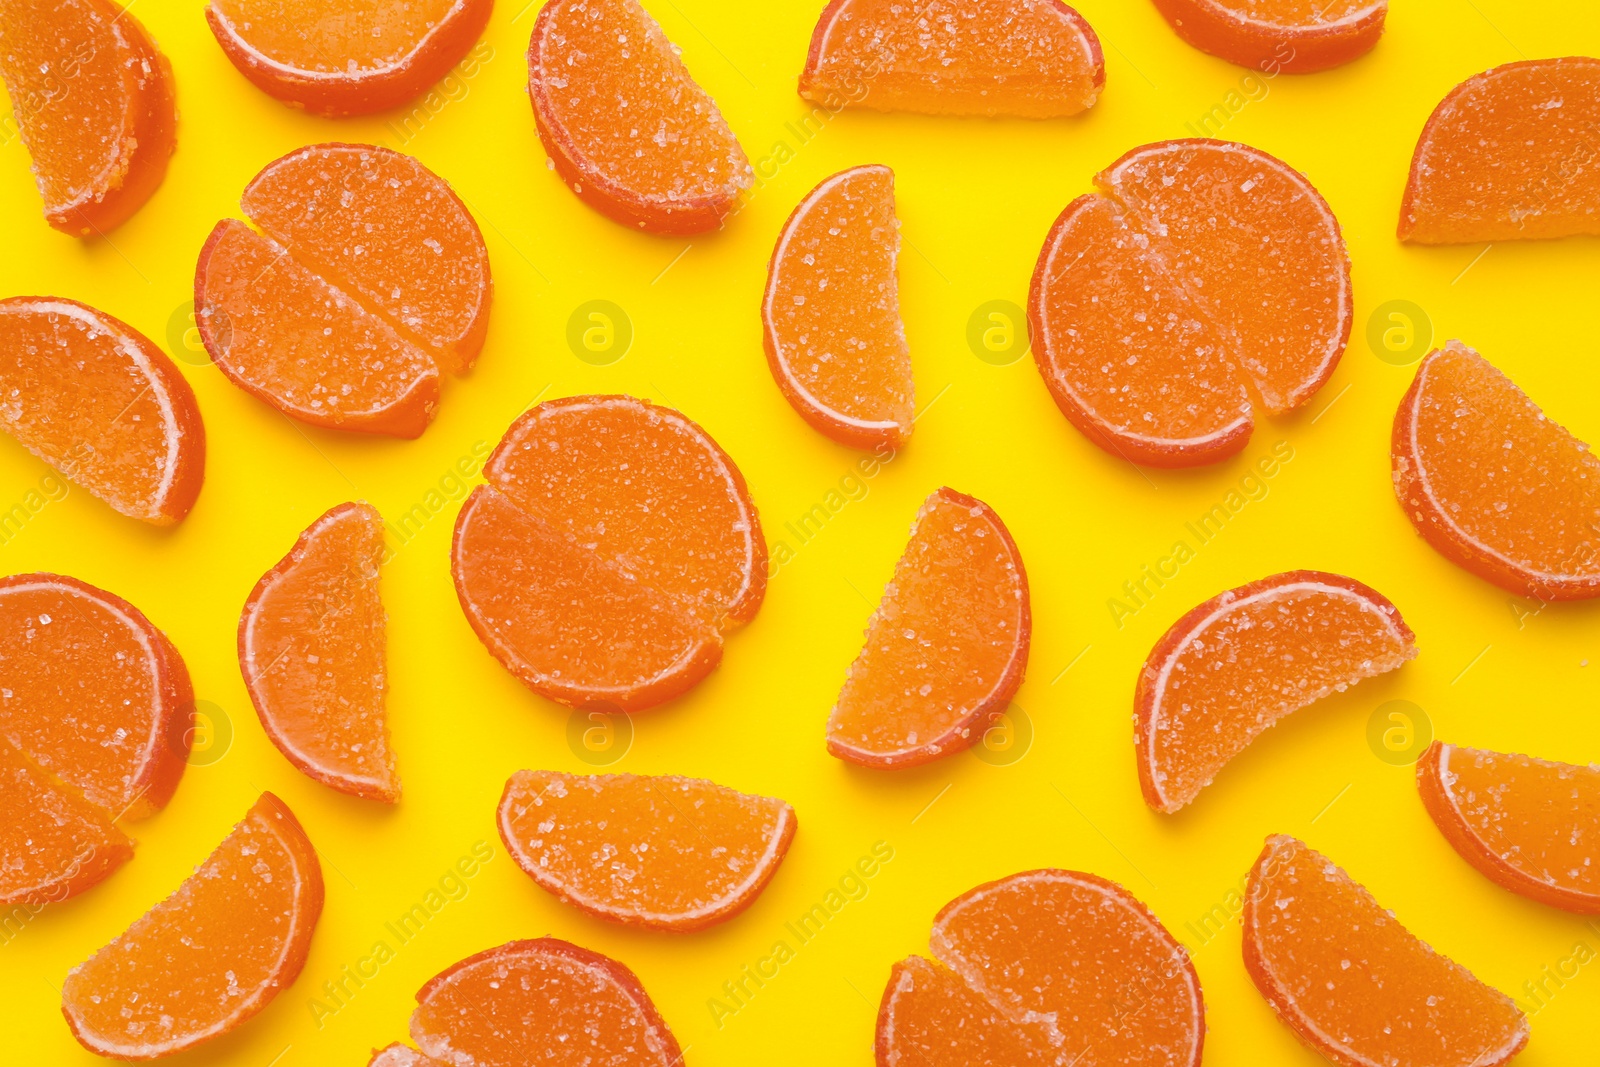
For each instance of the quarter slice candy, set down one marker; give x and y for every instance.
(1529, 825)
(346, 57)
(946, 649)
(831, 316)
(612, 547)
(53, 843)
(1279, 36)
(623, 122)
(93, 100)
(1509, 154)
(1242, 661)
(1354, 984)
(1026, 58)
(1203, 272)
(208, 958)
(1047, 967)
(544, 1001)
(663, 852)
(312, 652)
(95, 399)
(1493, 483)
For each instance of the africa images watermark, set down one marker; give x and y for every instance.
(851, 488)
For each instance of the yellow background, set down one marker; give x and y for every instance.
(975, 200)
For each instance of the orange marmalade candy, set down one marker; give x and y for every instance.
(1279, 36)
(612, 547)
(1529, 825)
(1493, 483)
(946, 649)
(369, 277)
(1507, 155)
(663, 852)
(346, 57)
(94, 103)
(213, 954)
(95, 399)
(53, 843)
(1204, 272)
(831, 315)
(1354, 984)
(544, 1001)
(1034, 59)
(311, 649)
(1044, 967)
(398, 1055)
(623, 122)
(1237, 664)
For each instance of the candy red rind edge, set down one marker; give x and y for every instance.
(787, 825)
(386, 792)
(678, 217)
(407, 418)
(999, 698)
(618, 972)
(1144, 689)
(866, 438)
(335, 95)
(1464, 839)
(1204, 25)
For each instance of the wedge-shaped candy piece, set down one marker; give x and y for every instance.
(542, 1001)
(1246, 658)
(1509, 155)
(369, 278)
(1279, 36)
(1354, 984)
(1530, 825)
(386, 230)
(93, 100)
(663, 852)
(312, 652)
(1204, 272)
(1493, 483)
(95, 399)
(1044, 967)
(398, 1055)
(612, 547)
(1034, 59)
(947, 647)
(53, 843)
(625, 125)
(346, 57)
(213, 954)
(93, 692)
(831, 316)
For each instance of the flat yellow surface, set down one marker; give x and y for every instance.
(975, 199)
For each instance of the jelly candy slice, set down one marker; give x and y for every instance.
(312, 651)
(95, 399)
(1028, 58)
(53, 843)
(1529, 825)
(1354, 984)
(93, 100)
(623, 122)
(543, 1001)
(389, 232)
(613, 545)
(1279, 36)
(831, 316)
(1509, 154)
(682, 853)
(1239, 663)
(1052, 966)
(290, 338)
(213, 954)
(398, 1055)
(346, 57)
(946, 649)
(1492, 483)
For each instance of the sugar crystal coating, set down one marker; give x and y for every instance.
(1279, 36)
(53, 843)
